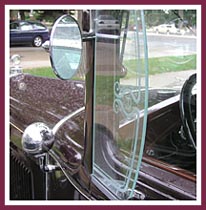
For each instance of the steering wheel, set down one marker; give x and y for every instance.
(188, 109)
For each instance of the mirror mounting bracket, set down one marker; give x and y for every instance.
(45, 167)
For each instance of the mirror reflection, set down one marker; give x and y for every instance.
(66, 47)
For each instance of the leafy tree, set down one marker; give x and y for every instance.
(152, 17)
(179, 17)
(47, 15)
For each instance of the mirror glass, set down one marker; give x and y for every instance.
(65, 47)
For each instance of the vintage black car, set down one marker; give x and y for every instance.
(106, 137)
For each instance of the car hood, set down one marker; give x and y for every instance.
(39, 99)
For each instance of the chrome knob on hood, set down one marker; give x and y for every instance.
(37, 138)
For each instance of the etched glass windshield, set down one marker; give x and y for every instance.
(120, 99)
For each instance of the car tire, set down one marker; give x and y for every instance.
(38, 41)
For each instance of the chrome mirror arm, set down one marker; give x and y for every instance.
(62, 121)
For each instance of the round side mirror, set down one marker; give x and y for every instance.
(65, 47)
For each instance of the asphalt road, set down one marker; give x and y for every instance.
(158, 45)
(164, 45)
(170, 45)
(31, 57)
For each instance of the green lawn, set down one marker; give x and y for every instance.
(163, 64)
(156, 66)
(45, 72)
(42, 72)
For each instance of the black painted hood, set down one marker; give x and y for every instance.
(40, 99)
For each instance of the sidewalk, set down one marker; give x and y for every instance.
(173, 80)
(170, 79)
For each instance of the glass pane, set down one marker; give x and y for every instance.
(172, 44)
(120, 99)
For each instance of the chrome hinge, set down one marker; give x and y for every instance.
(136, 195)
(44, 166)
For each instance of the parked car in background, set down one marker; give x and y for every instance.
(168, 29)
(28, 32)
(105, 23)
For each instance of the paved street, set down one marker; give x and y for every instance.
(31, 57)
(159, 45)
(163, 45)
